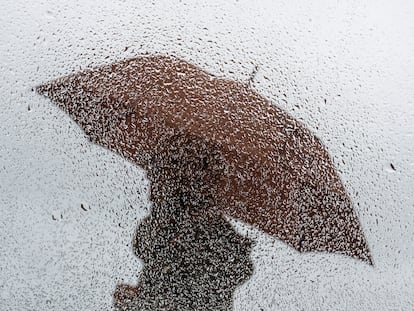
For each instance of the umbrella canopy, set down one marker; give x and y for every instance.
(277, 176)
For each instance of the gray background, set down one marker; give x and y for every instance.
(344, 68)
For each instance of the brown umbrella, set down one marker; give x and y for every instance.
(278, 176)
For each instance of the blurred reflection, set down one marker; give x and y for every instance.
(193, 258)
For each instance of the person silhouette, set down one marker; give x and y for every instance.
(193, 258)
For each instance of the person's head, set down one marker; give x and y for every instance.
(187, 168)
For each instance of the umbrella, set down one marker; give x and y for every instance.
(277, 175)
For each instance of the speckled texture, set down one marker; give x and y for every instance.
(235, 153)
(275, 170)
(193, 257)
(343, 68)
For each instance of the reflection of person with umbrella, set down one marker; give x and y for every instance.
(277, 176)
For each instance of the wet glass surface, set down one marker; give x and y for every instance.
(235, 220)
